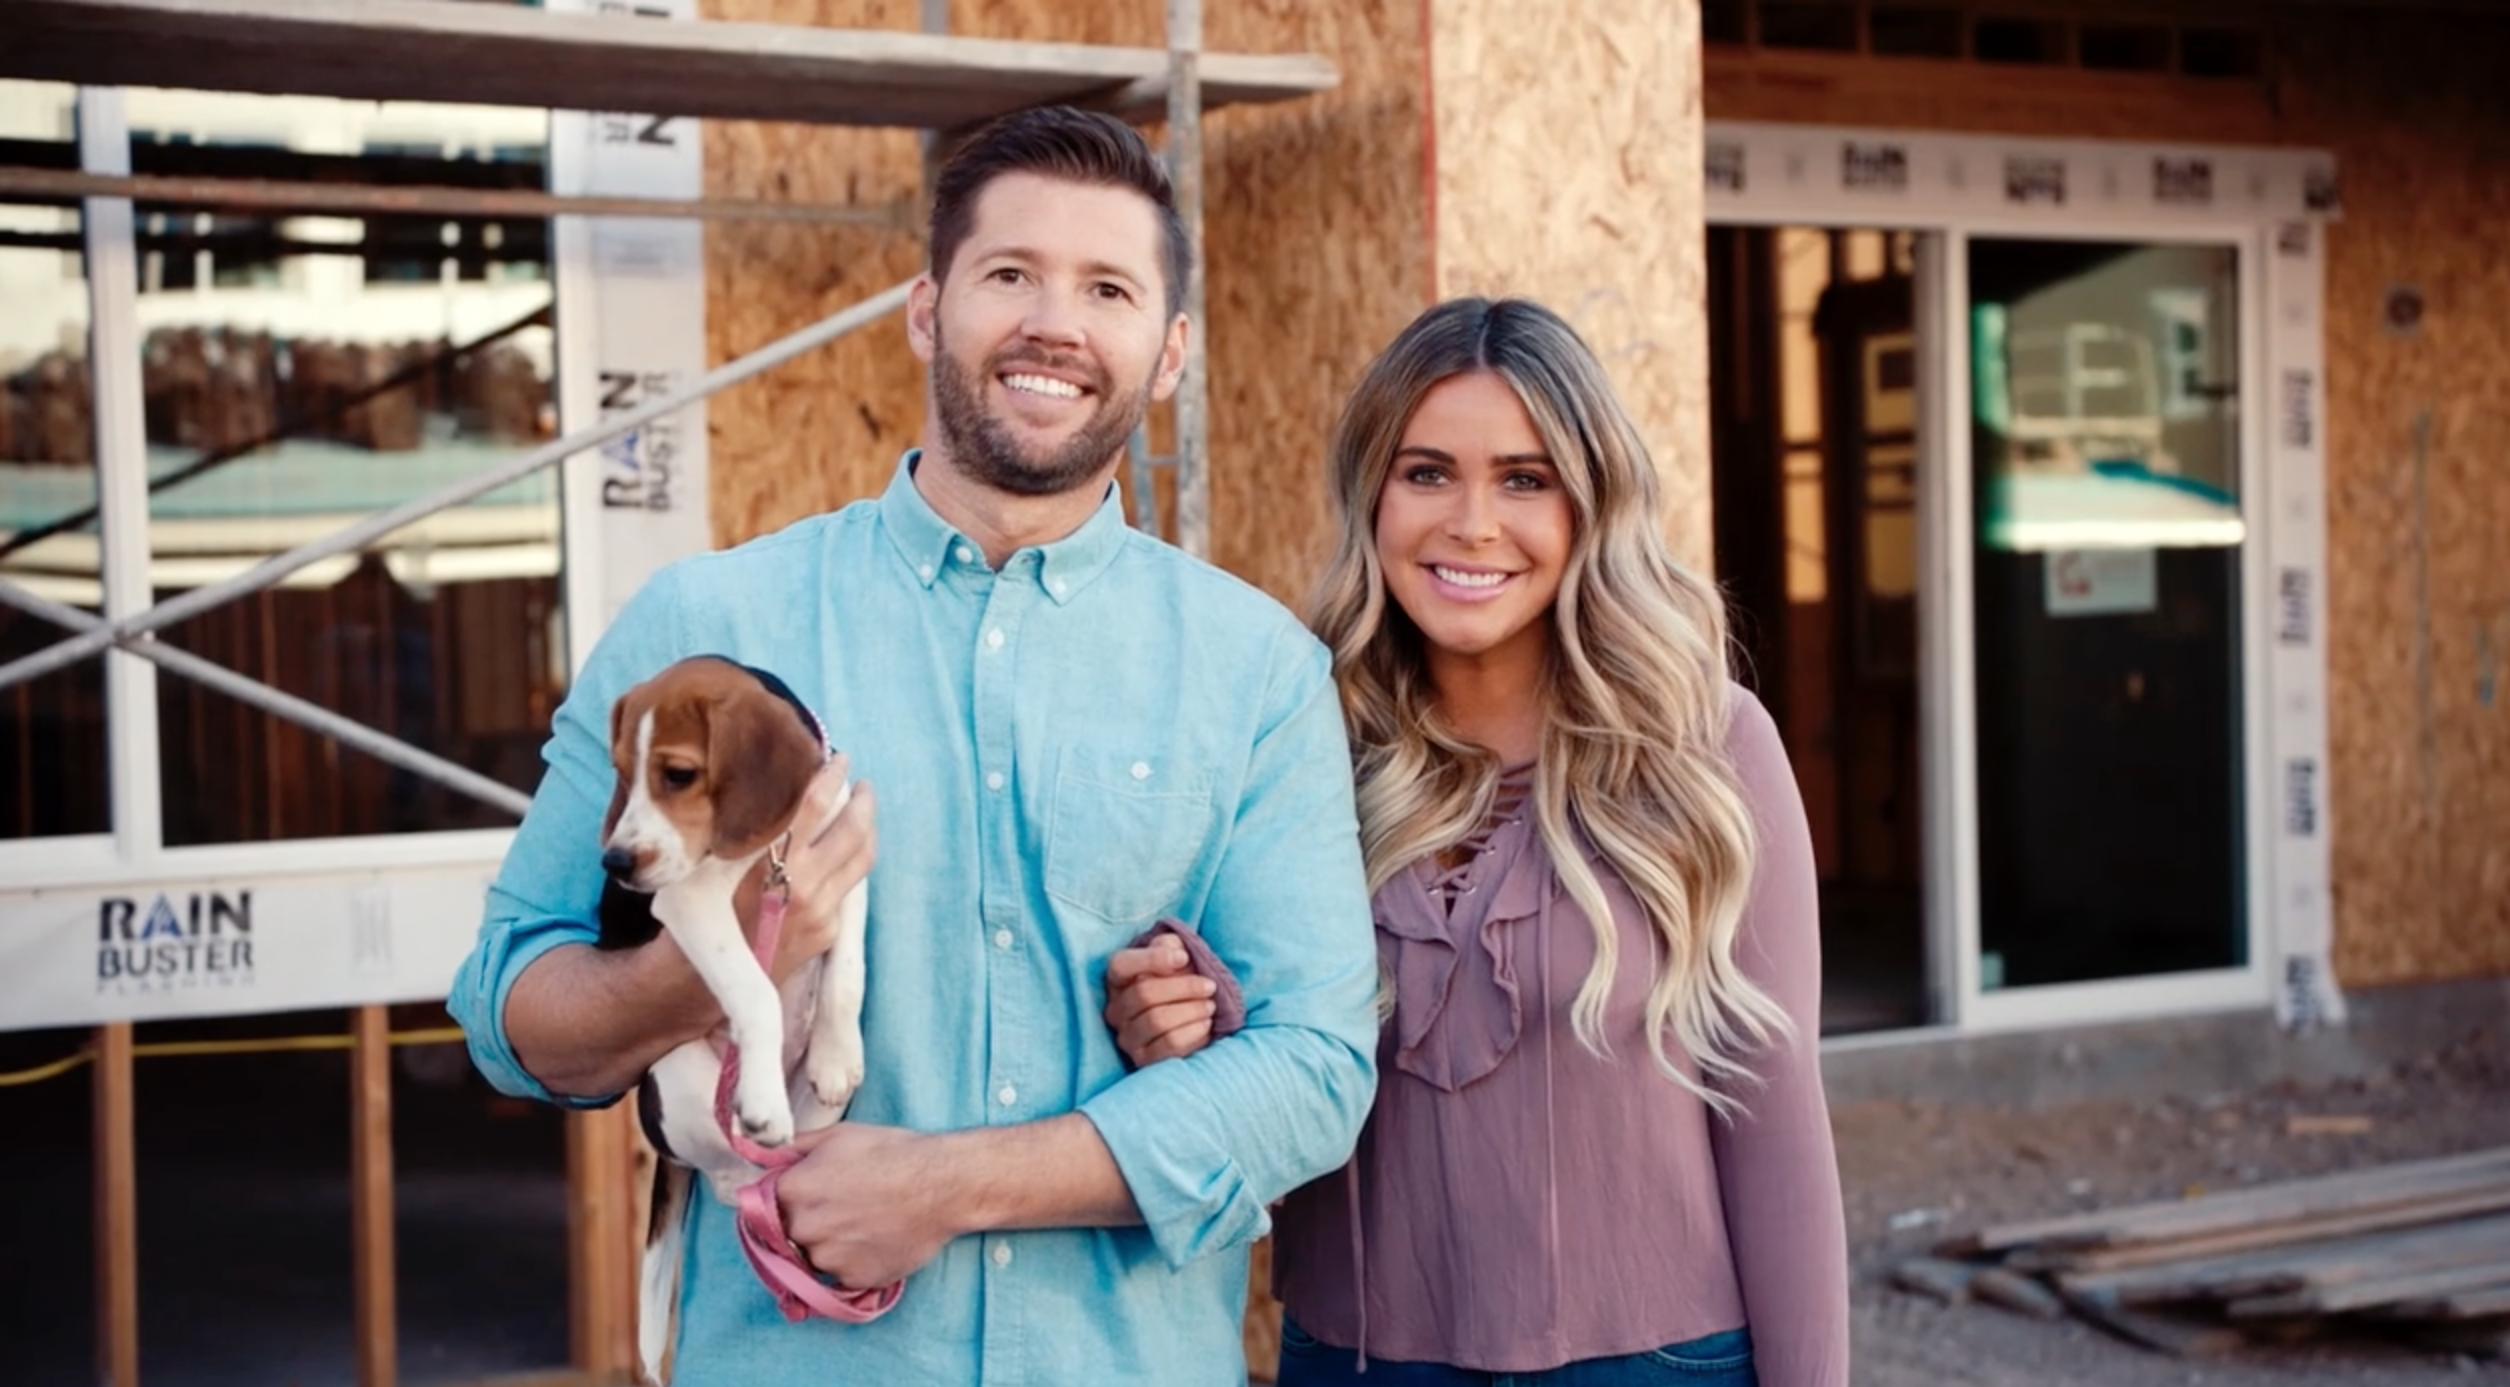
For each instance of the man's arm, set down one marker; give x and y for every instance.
(869, 1205)
(1195, 1150)
(1207, 1143)
(588, 1023)
(541, 921)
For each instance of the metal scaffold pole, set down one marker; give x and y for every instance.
(1185, 168)
(269, 571)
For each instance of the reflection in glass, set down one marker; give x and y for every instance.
(53, 770)
(2107, 562)
(1813, 417)
(302, 372)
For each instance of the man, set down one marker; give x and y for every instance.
(1077, 730)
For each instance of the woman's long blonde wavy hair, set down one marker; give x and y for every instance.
(1633, 750)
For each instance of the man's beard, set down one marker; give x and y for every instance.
(983, 448)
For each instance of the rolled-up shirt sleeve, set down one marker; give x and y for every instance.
(548, 889)
(1207, 1142)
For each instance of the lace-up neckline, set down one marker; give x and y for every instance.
(1456, 873)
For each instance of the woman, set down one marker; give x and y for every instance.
(1599, 1152)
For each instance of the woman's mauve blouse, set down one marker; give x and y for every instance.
(1516, 1202)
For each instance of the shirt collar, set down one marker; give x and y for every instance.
(930, 545)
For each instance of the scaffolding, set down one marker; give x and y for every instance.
(506, 54)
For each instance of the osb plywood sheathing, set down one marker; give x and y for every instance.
(2418, 499)
(828, 427)
(1568, 171)
(1317, 243)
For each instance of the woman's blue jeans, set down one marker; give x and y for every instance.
(1717, 1360)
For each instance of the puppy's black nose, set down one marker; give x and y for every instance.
(620, 863)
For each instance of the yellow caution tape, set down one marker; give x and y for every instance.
(440, 1035)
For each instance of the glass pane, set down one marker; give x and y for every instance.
(2106, 447)
(1815, 488)
(303, 372)
(53, 774)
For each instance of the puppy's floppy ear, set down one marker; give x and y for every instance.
(760, 759)
(624, 768)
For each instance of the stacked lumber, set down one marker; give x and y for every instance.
(47, 413)
(222, 389)
(2418, 1250)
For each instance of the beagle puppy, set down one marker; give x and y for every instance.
(713, 758)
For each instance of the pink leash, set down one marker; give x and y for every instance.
(781, 1265)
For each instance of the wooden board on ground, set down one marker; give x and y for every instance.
(2184, 1336)
(2483, 1302)
(2403, 1183)
(2372, 1293)
(2271, 1233)
(2291, 1267)
(2412, 1249)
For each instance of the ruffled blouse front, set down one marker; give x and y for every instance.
(1518, 1202)
(1446, 933)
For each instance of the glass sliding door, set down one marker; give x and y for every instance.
(2106, 540)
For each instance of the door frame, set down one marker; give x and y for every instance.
(2271, 206)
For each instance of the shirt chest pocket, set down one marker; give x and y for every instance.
(1125, 835)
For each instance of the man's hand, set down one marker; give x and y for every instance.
(1157, 1005)
(832, 851)
(862, 1204)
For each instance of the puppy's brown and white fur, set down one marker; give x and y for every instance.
(712, 766)
(713, 761)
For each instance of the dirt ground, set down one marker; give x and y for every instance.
(1917, 1171)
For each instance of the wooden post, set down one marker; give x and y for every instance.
(601, 1242)
(117, 1211)
(370, 1196)
(642, 1159)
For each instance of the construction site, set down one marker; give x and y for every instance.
(2088, 409)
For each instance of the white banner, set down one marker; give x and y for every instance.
(231, 946)
(2296, 489)
(1825, 175)
(631, 325)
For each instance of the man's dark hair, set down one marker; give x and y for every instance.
(1056, 142)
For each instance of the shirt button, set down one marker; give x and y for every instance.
(993, 780)
(966, 554)
(1002, 1254)
(1141, 770)
(1002, 939)
(1006, 1095)
(993, 639)
(925, 572)
(1056, 586)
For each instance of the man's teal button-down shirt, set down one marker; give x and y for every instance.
(1100, 733)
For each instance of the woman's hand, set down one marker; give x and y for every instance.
(1157, 1005)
